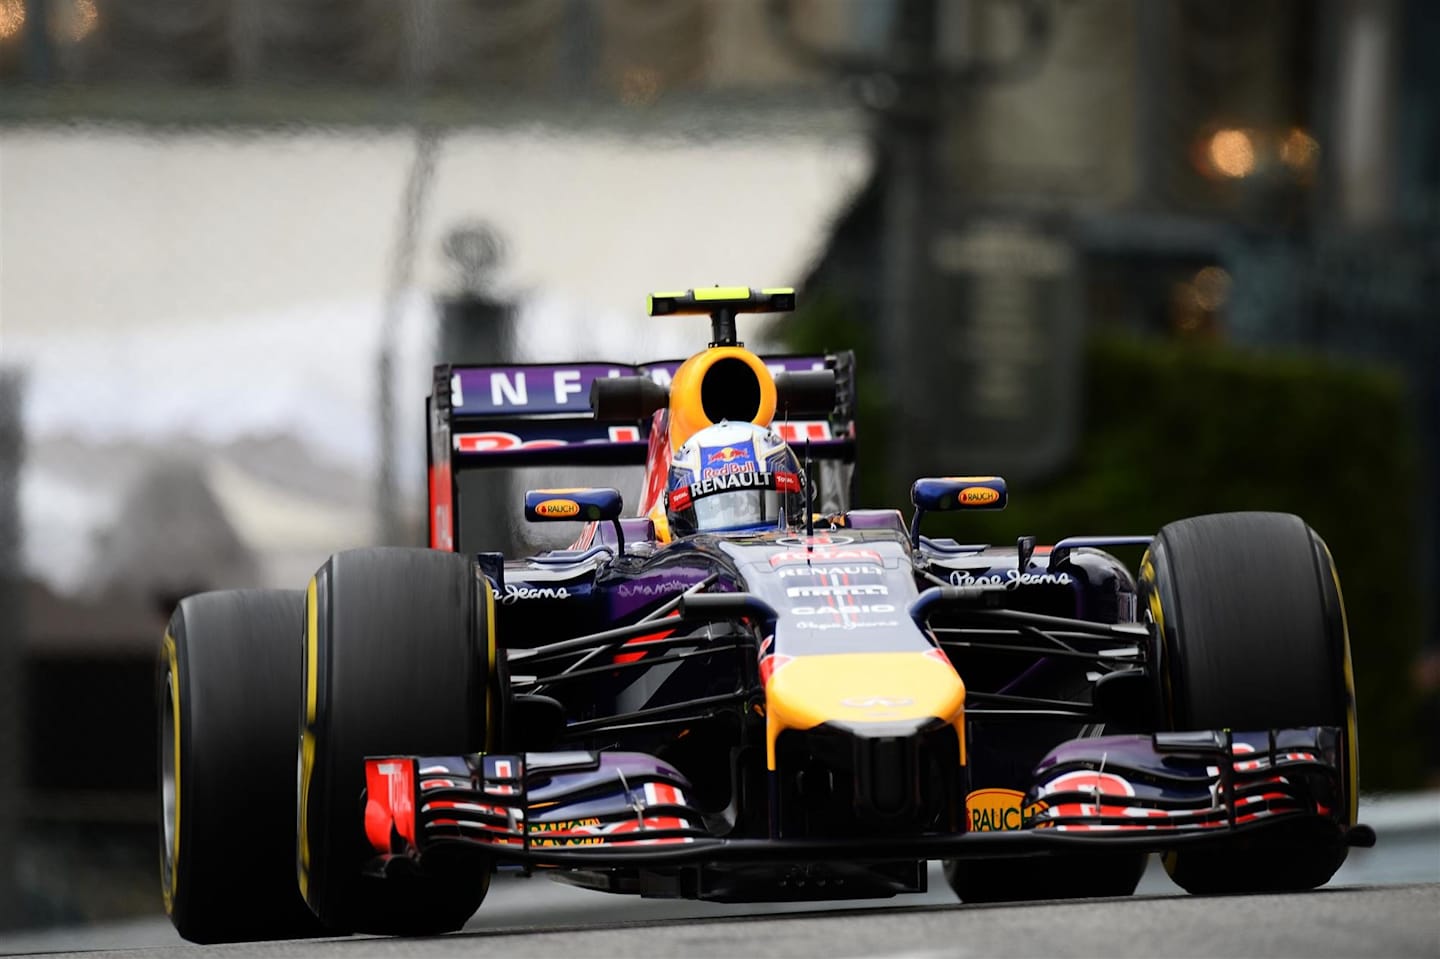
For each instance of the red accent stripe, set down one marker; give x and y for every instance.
(647, 638)
(657, 461)
(770, 664)
(389, 801)
(442, 507)
(377, 810)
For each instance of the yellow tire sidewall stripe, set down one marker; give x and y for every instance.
(492, 686)
(307, 737)
(1352, 725)
(172, 658)
(1149, 579)
(312, 652)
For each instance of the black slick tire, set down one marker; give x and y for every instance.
(1251, 635)
(399, 655)
(227, 682)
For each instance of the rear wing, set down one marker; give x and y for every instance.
(538, 414)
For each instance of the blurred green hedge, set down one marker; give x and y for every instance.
(1174, 429)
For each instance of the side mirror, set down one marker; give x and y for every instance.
(581, 504)
(943, 494)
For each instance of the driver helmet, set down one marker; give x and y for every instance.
(734, 477)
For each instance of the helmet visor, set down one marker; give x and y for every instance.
(739, 510)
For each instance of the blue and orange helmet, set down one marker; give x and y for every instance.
(734, 477)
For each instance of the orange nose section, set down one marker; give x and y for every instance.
(859, 688)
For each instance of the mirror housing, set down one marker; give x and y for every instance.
(943, 494)
(586, 504)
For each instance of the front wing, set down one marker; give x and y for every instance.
(625, 810)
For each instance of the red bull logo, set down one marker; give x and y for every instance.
(725, 454)
(727, 459)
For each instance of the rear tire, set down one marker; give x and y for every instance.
(227, 682)
(1252, 636)
(402, 650)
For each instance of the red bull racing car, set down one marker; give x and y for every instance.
(741, 686)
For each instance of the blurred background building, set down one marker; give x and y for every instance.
(1139, 256)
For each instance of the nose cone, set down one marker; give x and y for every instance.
(883, 692)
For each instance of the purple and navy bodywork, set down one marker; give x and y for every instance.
(732, 685)
(812, 712)
(692, 695)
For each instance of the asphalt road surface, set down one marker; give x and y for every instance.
(1381, 911)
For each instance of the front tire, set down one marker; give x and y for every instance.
(1251, 636)
(399, 658)
(227, 680)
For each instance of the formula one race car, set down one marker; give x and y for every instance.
(744, 688)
